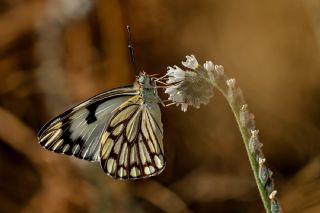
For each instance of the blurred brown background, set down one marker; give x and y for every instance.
(56, 53)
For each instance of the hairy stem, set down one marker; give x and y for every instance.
(246, 137)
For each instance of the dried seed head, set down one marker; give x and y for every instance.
(263, 171)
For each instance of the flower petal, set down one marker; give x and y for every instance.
(184, 107)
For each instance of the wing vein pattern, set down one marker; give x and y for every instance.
(131, 145)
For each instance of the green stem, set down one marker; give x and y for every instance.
(254, 165)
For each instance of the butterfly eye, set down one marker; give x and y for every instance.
(141, 79)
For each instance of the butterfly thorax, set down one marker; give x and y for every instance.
(147, 89)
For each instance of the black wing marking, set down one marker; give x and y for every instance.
(131, 146)
(77, 131)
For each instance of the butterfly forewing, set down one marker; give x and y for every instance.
(78, 131)
(131, 145)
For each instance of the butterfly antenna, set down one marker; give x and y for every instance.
(131, 50)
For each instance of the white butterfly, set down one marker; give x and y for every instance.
(121, 128)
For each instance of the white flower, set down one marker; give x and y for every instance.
(231, 82)
(254, 133)
(213, 71)
(174, 95)
(219, 69)
(184, 107)
(262, 161)
(273, 195)
(209, 66)
(232, 92)
(175, 74)
(191, 62)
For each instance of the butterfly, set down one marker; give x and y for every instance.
(120, 128)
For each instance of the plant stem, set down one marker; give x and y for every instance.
(246, 137)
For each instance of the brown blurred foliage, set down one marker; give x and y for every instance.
(55, 53)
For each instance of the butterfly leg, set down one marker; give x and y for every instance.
(163, 103)
(163, 83)
(167, 105)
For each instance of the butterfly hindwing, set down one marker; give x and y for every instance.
(77, 131)
(131, 145)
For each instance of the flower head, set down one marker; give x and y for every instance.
(191, 87)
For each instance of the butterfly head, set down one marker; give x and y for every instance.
(147, 87)
(145, 81)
